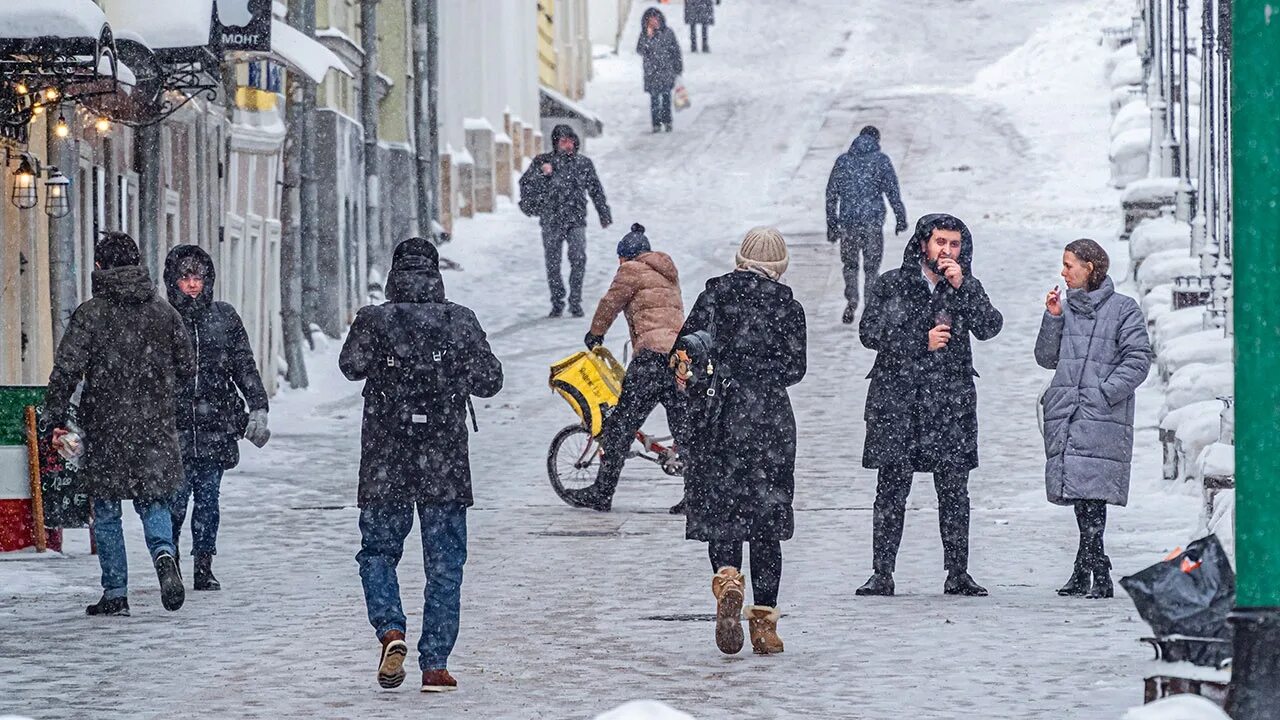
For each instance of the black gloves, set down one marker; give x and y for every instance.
(899, 226)
(832, 234)
(593, 341)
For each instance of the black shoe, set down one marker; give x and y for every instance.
(1078, 585)
(850, 311)
(172, 594)
(657, 129)
(960, 583)
(575, 310)
(879, 584)
(556, 311)
(589, 498)
(679, 508)
(204, 579)
(1102, 585)
(118, 607)
(668, 127)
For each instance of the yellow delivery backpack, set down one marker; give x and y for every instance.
(590, 382)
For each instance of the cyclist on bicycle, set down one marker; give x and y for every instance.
(646, 290)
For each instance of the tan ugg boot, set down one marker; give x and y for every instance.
(764, 630)
(728, 587)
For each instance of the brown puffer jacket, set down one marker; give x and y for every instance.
(647, 290)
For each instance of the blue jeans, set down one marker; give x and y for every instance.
(108, 533)
(383, 529)
(660, 108)
(204, 483)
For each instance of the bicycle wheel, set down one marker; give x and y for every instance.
(572, 460)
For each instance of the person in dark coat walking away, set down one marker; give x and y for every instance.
(210, 410)
(699, 13)
(921, 413)
(132, 351)
(663, 63)
(646, 290)
(421, 358)
(555, 188)
(860, 182)
(740, 480)
(1096, 342)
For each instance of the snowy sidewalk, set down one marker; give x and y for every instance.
(569, 613)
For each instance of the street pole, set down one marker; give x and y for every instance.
(291, 227)
(433, 107)
(310, 199)
(1255, 152)
(379, 254)
(426, 122)
(63, 153)
(146, 151)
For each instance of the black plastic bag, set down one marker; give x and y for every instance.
(1190, 594)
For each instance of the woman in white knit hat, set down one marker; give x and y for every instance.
(742, 449)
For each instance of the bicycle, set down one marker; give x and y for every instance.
(591, 383)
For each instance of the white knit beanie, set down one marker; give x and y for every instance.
(764, 249)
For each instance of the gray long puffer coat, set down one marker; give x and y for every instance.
(1101, 353)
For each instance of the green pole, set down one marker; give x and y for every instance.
(1255, 158)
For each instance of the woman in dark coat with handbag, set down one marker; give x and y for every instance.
(699, 13)
(1096, 342)
(741, 477)
(663, 63)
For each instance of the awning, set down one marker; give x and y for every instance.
(163, 25)
(51, 18)
(554, 104)
(304, 54)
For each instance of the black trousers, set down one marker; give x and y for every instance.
(1091, 519)
(861, 249)
(647, 383)
(766, 566)
(660, 108)
(693, 37)
(892, 487)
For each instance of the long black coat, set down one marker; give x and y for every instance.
(413, 440)
(560, 199)
(700, 12)
(132, 351)
(663, 62)
(741, 477)
(211, 414)
(922, 406)
(860, 181)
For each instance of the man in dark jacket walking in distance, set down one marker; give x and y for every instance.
(921, 413)
(646, 290)
(555, 188)
(211, 414)
(860, 182)
(132, 351)
(422, 358)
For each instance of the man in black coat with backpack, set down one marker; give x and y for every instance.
(422, 358)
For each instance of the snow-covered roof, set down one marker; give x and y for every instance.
(170, 24)
(301, 52)
(555, 104)
(477, 124)
(51, 18)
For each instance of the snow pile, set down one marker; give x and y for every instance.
(171, 24)
(1152, 190)
(1223, 522)
(1173, 419)
(1166, 265)
(1122, 54)
(1176, 323)
(1135, 115)
(1178, 707)
(1157, 301)
(477, 124)
(52, 18)
(1206, 346)
(1196, 382)
(1158, 234)
(301, 52)
(1130, 156)
(644, 710)
(1216, 460)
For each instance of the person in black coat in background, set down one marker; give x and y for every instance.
(663, 63)
(422, 358)
(555, 188)
(210, 412)
(921, 413)
(742, 449)
(699, 13)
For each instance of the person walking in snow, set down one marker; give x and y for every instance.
(1096, 343)
(921, 413)
(859, 183)
(740, 479)
(555, 188)
(421, 358)
(646, 290)
(210, 408)
(663, 63)
(699, 13)
(132, 351)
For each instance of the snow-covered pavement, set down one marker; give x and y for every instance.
(992, 110)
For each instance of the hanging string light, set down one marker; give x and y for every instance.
(61, 129)
(103, 125)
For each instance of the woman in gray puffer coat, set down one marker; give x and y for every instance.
(1097, 343)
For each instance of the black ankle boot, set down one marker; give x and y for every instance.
(960, 582)
(1102, 585)
(878, 584)
(204, 579)
(1078, 585)
(109, 606)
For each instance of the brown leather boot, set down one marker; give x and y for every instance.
(728, 587)
(764, 630)
(438, 681)
(391, 663)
